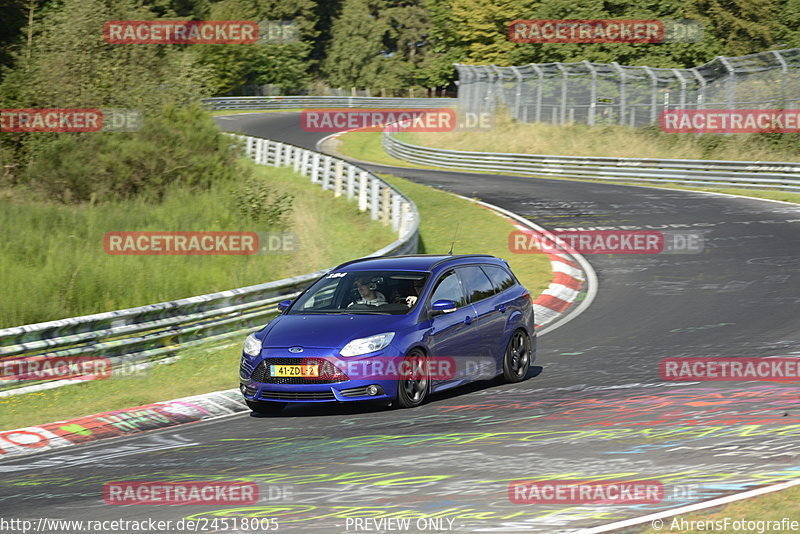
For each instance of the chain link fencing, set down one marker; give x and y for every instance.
(609, 93)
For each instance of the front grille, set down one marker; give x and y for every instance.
(298, 395)
(261, 374)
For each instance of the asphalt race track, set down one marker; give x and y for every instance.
(594, 407)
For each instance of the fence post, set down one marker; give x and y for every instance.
(731, 83)
(337, 182)
(279, 147)
(288, 156)
(563, 92)
(315, 168)
(374, 199)
(701, 95)
(362, 191)
(251, 147)
(653, 94)
(539, 87)
(517, 92)
(593, 92)
(622, 93)
(261, 151)
(395, 211)
(351, 181)
(304, 163)
(326, 172)
(784, 72)
(297, 159)
(386, 206)
(682, 98)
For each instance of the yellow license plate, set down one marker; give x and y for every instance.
(302, 371)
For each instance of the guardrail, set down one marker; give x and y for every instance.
(153, 332)
(757, 174)
(295, 102)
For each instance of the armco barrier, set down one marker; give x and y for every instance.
(156, 331)
(758, 174)
(307, 102)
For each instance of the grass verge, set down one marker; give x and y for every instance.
(366, 146)
(614, 141)
(56, 266)
(200, 371)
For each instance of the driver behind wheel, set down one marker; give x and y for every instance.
(367, 290)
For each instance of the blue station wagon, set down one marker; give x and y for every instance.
(392, 329)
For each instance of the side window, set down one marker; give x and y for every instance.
(501, 279)
(477, 284)
(449, 288)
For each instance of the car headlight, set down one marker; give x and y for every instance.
(252, 345)
(366, 345)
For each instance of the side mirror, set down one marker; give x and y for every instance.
(443, 306)
(284, 305)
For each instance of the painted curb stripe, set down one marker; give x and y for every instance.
(553, 303)
(125, 422)
(567, 280)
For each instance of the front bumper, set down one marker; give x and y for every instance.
(348, 389)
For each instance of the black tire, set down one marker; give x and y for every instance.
(517, 359)
(412, 391)
(265, 407)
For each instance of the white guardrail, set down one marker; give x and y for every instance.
(148, 333)
(758, 174)
(307, 102)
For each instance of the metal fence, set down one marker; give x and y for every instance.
(755, 174)
(609, 93)
(307, 102)
(154, 332)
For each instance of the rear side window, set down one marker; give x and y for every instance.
(477, 284)
(449, 288)
(501, 279)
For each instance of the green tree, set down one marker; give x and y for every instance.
(740, 26)
(284, 64)
(356, 55)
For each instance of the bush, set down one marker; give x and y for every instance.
(259, 203)
(182, 146)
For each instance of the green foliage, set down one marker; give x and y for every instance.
(181, 146)
(355, 57)
(54, 265)
(260, 203)
(286, 65)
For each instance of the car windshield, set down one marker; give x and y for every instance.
(362, 292)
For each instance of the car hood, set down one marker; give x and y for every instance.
(325, 331)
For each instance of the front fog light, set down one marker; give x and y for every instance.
(372, 390)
